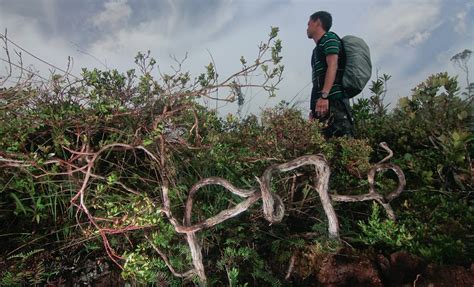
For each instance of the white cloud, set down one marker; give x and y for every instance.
(55, 50)
(419, 38)
(172, 33)
(49, 8)
(460, 20)
(395, 33)
(402, 23)
(460, 26)
(114, 13)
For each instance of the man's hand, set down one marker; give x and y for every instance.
(322, 107)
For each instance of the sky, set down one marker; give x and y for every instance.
(409, 39)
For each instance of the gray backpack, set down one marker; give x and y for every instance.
(358, 67)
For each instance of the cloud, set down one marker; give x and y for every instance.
(49, 8)
(460, 19)
(419, 38)
(409, 39)
(178, 27)
(406, 36)
(54, 50)
(402, 23)
(114, 13)
(460, 26)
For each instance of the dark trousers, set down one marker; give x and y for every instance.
(338, 122)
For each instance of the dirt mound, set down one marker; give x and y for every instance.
(347, 268)
(446, 276)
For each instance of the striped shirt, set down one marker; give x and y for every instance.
(329, 44)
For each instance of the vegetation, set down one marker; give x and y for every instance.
(85, 165)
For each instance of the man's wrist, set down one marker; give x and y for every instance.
(324, 95)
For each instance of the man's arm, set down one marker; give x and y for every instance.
(322, 105)
(331, 60)
(312, 102)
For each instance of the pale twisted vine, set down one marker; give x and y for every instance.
(273, 207)
(384, 200)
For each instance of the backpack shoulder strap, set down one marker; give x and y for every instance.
(343, 50)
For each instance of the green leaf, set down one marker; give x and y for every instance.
(147, 142)
(19, 205)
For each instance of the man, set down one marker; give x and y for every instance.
(329, 103)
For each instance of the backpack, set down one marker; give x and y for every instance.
(358, 67)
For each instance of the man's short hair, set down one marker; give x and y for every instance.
(324, 17)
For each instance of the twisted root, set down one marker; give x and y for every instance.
(273, 207)
(384, 200)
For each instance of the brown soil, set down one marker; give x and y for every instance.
(312, 268)
(345, 268)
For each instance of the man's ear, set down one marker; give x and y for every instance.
(318, 22)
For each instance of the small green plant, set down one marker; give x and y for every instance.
(384, 232)
(10, 279)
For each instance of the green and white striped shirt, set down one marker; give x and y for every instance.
(329, 44)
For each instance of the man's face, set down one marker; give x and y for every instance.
(312, 26)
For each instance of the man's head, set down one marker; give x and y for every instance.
(318, 24)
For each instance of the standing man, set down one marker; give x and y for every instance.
(329, 103)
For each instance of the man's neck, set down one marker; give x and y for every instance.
(318, 36)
